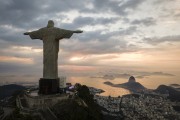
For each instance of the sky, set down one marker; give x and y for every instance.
(120, 37)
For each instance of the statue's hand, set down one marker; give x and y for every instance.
(26, 33)
(78, 31)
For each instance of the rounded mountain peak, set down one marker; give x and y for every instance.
(132, 79)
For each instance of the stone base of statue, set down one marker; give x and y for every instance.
(48, 86)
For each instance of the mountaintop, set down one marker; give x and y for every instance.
(9, 90)
(173, 93)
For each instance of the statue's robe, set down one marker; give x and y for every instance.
(50, 37)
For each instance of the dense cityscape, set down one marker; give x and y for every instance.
(139, 106)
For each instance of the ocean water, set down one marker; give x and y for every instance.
(151, 82)
(99, 83)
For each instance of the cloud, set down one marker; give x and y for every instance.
(6, 67)
(19, 79)
(35, 14)
(110, 27)
(18, 12)
(96, 47)
(24, 13)
(82, 21)
(117, 7)
(89, 22)
(158, 40)
(16, 59)
(162, 1)
(147, 21)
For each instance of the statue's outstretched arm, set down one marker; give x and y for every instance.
(35, 34)
(78, 31)
(26, 33)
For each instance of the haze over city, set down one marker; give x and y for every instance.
(120, 38)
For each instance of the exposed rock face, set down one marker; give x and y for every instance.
(132, 79)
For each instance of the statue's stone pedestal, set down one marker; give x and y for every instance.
(48, 86)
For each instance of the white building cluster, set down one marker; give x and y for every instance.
(111, 104)
(138, 106)
(62, 83)
(148, 107)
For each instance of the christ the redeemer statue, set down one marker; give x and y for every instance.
(50, 36)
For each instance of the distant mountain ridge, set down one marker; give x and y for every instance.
(9, 90)
(173, 93)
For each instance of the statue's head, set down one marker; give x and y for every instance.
(50, 24)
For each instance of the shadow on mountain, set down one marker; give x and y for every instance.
(131, 85)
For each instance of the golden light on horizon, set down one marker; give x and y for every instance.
(26, 49)
(16, 59)
(76, 58)
(131, 57)
(77, 68)
(21, 47)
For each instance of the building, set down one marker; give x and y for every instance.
(62, 82)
